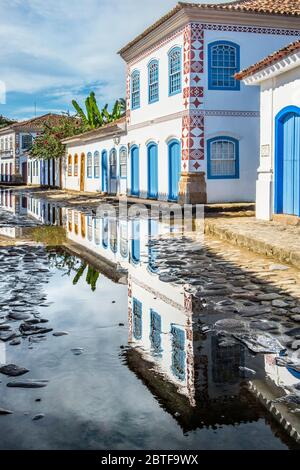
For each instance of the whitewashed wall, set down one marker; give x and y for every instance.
(276, 94)
(93, 184)
(160, 133)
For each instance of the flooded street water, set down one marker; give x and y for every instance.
(136, 337)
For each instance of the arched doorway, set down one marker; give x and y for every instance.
(287, 161)
(135, 180)
(152, 170)
(174, 168)
(104, 182)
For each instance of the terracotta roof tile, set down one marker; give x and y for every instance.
(35, 123)
(271, 7)
(278, 7)
(269, 60)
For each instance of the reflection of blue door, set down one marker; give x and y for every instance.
(104, 171)
(174, 169)
(287, 171)
(135, 242)
(135, 171)
(152, 171)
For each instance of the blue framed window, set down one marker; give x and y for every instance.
(89, 165)
(113, 163)
(222, 158)
(96, 165)
(135, 90)
(123, 162)
(178, 352)
(155, 332)
(175, 71)
(223, 63)
(153, 87)
(137, 319)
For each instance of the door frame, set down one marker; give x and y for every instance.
(278, 160)
(137, 193)
(104, 184)
(170, 143)
(149, 146)
(82, 172)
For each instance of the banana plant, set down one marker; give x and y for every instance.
(93, 117)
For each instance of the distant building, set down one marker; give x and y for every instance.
(15, 164)
(192, 129)
(278, 181)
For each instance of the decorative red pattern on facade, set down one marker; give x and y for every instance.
(128, 96)
(193, 92)
(252, 29)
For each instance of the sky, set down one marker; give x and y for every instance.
(57, 50)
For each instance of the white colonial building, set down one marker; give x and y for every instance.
(192, 129)
(16, 166)
(96, 161)
(278, 182)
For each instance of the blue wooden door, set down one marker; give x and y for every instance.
(174, 169)
(291, 164)
(104, 171)
(152, 171)
(135, 171)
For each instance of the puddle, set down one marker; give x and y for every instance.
(130, 327)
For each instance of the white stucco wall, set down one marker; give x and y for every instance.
(219, 121)
(160, 133)
(276, 93)
(166, 104)
(94, 184)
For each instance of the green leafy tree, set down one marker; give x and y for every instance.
(5, 121)
(48, 144)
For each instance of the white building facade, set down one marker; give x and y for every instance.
(278, 179)
(96, 161)
(16, 166)
(192, 129)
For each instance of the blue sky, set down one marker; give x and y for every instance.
(55, 50)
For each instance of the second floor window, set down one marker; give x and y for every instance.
(153, 81)
(135, 90)
(175, 71)
(26, 141)
(223, 63)
(89, 165)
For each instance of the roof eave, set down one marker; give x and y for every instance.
(270, 71)
(187, 13)
(97, 134)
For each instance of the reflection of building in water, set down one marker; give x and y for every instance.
(26, 204)
(280, 382)
(44, 211)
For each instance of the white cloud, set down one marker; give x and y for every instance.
(61, 46)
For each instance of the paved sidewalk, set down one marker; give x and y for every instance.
(271, 239)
